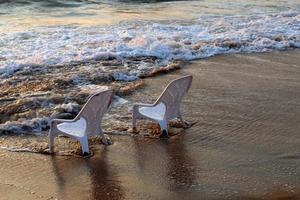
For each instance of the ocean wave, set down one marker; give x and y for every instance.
(48, 72)
(165, 42)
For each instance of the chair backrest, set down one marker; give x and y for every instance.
(173, 93)
(94, 109)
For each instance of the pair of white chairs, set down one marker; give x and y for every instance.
(88, 121)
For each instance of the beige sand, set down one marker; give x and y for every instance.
(246, 144)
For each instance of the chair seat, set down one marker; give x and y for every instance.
(156, 112)
(76, 128)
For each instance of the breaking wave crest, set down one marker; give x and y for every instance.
(164, 42)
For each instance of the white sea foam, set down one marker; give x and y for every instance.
(204, 37)
(32, 126)
(91, 88)
(119, 76)
(118, 101)
(69, 107)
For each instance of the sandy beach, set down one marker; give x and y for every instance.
(245, 144)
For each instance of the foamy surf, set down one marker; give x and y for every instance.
(54, 69)
(49, 47)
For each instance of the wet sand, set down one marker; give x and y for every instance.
(245, 144)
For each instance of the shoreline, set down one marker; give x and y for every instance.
(245, 143)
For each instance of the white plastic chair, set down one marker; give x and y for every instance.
(87, 123)
(166, 107)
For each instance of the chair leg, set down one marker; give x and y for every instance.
(164, 129)
(134, 118)
(104, 139)
(84, 145)
(51, 141)
(184, 124)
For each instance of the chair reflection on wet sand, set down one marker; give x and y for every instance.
(166, 107)
(87, 123)
(174, 176)
(86, 178)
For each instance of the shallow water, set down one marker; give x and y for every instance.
(245, 144)
(190, 34)
(53, 54)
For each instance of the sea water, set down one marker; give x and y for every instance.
(50, 50)
(51, 33)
